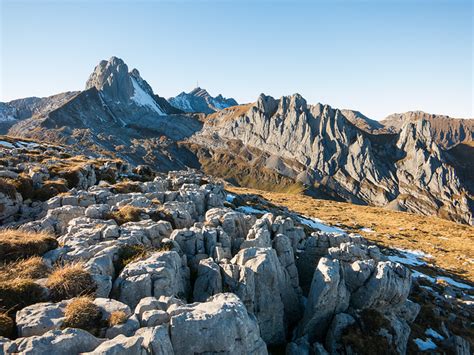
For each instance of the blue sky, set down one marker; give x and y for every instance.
(378, 57)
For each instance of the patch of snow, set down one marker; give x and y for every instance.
(318, 224)
(367, 230)
(182, 102)
(450, 281)
(142, 98)
(410, 257)
(417, 274)
(455, 283)
(434, 334)
(424, 345)
(250, 210)
(230, 198)
(7, 144)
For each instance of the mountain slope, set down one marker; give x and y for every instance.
(446, 131)
(20, 109)
(405, 171)
(118, 114)
(363, 122)
(200, 101)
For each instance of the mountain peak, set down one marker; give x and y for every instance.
(199, 92)
(112, 78)
(119, 86)
(199, 100)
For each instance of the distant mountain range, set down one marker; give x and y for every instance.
(199, 100)
(414, 161)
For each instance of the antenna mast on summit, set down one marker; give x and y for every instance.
(197, 83)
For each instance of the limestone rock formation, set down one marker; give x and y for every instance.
(405, 170)
(223, 319)
(445, 131)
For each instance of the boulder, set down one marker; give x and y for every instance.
(387, 287)
(58, 342)
(128, 328)
(328, 296)
(221, 325)
(264, 285)
(156, 340)
(160, 274)
(119, 345)
(108, 306)
(209, 280)
(40, 318)
(154, 318)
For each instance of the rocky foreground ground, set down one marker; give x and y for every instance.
(99, 257)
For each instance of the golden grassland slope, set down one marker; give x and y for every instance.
(451, 244)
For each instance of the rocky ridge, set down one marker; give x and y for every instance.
(190, 268)
(405, 171)
(199, 100)
(446, 131)
(20, 109)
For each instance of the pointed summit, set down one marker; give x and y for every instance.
(118, 86)
(199, 92)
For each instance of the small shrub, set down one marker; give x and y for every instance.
(126, 214)
(15, 244)
(128, 254)
(117, 317)
(7, 325)
(18, 293)
(126, 187)
(82, 313)
(24, 185)
(50, 189)
(161, 214)
(108, 175)
(72, 178)
(363, 337)
(166, 246)
(31, 268)
(70, 281)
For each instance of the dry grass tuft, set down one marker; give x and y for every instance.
(31, 268)
(7, 325)
(126, 214)
(16, 244)
(7, 188)
(130, 253)
(82, 313)
(70, 281)
(50, 189)
(117, 317)
(16, 294)
(126, 187)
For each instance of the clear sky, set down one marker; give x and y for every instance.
(375, 56)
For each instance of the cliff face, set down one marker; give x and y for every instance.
(445, 130)
(406, 171)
